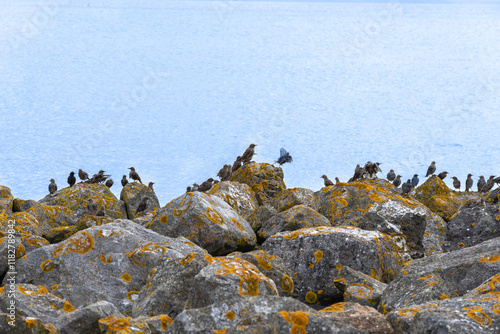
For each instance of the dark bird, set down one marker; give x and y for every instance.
(406, 187)
(101, 211)
(98, 178)
(496, 180)
(109, 183)
(195, 187)
(442, 175)
(456, 182)
(83, 175)
(358, 173)
(248, 155)
(133, 175)
(142, 206)
(327, 180)
(391, 175)
(480, 183)
(207, 185)
(489, 184)
(52, 186)
(337, 180)
(150, 185)
(124, 180)
(71, 179)
(468, 182)
(225, 173)
(414, 181)
(236, 164)
(188, 189)
(92, 206)
(431, 169)
(397, 181)
(284, 157)
(371, 169)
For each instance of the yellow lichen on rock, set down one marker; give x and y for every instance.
(434, 194)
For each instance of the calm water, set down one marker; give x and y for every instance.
(177, 89)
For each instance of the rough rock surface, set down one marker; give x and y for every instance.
(260, 216)
(238, 195)
(315, 257)
(51, 216)
(359, 288)
(207, 221)
(6, 199)
(434, 194)
(132, 195)
(435, 235)
(288, 198)
(22, 222)
(142, 325)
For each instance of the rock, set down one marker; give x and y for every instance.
(238, 195)
(297, 217)
(59, 234)
(110, 262)
(435, 235)
(23, 223)
(359, 288)
(288, 198)
(141, 325)
(441, 276)
(51, 216)
(88, 221)
(132, 195)
(435, 195)
(76, 198)
(6, 199)
(260, 216)
(264, 179)
(373, 205)
(315, 257)
(207, 221)
(493, 197)
(471, 226)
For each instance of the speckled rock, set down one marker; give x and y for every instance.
(434, 194)
(52, 215)
(238, 195)
(315, 257)
(264, 314)
(288, 198)
(374, 205)
(59, 234)
(441, 276)
(22, 222)
(207, 221)
(359, 288)
(76, 199)
(261, 215)
(108, 262)
(434, 238)
(297, 217)
(471, 226)
(6, 199)
(264, 179)
(493, 197)
(142, 325)
(88, 221)
(132, 195)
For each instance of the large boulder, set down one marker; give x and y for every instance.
(141, 325)
(132, 195)
(288, 198)
(315, 257)
(435, 195)
(6, 199)
(359, 288)
(238, 195)
(51, 216)
(206, 220)
(435, 235)
(23, 223)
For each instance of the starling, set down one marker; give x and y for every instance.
(248, 155)
(188, 189)
(431, 169)
(52, 186)
(150, 185)
(195, 187)
(142, 206)
(442, 175)
(327, 181)
(225, 173)
(397, 181)
(236, 164)
(337, 180)
(101, 211)
(406, 187)
(489, 184)
(71, 179)
(414, 180)
(98, 178)
(358, 173)
(496, 179)
(391, 175)
(83, 175)
(109, 183)
(468, 182)
(92, 206)
(480, 183)
(456, 182)
(284, 157)
(207, 185)
(124, 180)
(133, 175)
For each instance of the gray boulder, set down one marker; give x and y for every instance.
(132, 195)
(238, 195)
(359, 288)
(288, 198)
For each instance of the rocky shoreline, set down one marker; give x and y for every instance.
(252, 256)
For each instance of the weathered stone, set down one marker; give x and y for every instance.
(207, 221)
(434, 194)
(264, 179)
(88, 221)
(132, 195)
(493, 197)
(297, 217)
(471, 226)
(142, 325)
(238, 195)
(315, 257)
(50, 215)
(288, 198)
(261, 215)
(435, 235)
(359, 288)
(6, 199)
(59, 234)
(23, 223)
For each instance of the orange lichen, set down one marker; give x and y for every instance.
(25, 291)
(230, 315)
(298, 319)
(116, 325)
(214, 216)
(183, 205)
(42, 290)
(126, 277)
(311, 297)
(81, 243)
(220, 331)
(237, 224)
(165, 321)
(476, 314)
(47, 266)
(263, 260)
(188, 258)
(68, 307)
(443, 296)
(318, 255)
(132, 295)
(139, 256)
(164, 219)
(30, 322)
(106, 260)
(334, 308)
(287, 283)
(291, 236)
(490, 259)
(359, 291)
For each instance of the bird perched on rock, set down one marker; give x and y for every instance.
(456, 182)
(109, 183)
(101, 211)
(133, 175)
(236, 164)
(496, 180)
(371, 169)
(337, 180)
(142, 206)
(284, 157)
(358, 173)
(92, 206)
(52, 186)
(124, 180)
(406, 187)
(468, 183)
(391, 175)
(326, 180)
(442, 175)
(188, 189)
(248, 155)
(431, 169)
(150, 185)
(480, 183)
(414, 180)
(83, 175)
(207, 185)
(489, 184)
(397, 181)
(225, 173)
(71, 179)
(98, 178)
(195, 187)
